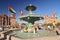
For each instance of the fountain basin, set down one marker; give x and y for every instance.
(41, 33)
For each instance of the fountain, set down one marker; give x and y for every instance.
(30, 18)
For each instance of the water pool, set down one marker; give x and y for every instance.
(41, 33)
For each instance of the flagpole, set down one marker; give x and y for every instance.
(2, 18)
(2, 21)
(5, 20)
(8, 17)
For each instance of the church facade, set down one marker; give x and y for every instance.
(52, 19)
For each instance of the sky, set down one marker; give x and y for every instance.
(43, 7)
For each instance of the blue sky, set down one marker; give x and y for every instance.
(43, 7)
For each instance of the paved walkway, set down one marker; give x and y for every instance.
(40, 38)
(45, 38)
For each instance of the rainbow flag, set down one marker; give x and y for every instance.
(11, 9)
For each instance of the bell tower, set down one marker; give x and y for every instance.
(54, 15)
(46, 18)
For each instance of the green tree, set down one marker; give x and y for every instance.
(49, 24)
(57, 25)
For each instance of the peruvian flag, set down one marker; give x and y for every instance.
(21, 12)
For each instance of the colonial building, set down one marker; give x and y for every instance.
(5, 20)
(53, 19)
